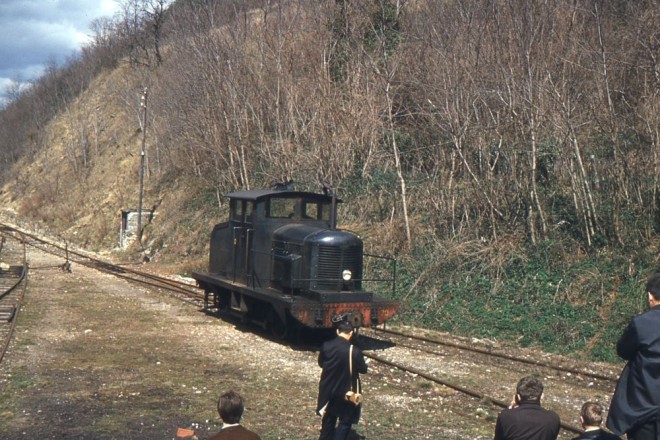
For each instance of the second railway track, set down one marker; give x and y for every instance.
(432, 345)
(455, 365)
(13, 272)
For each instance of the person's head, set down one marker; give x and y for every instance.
(591, 414)
(653, 289)
(529, 388)
(345, 329)
(230, 407)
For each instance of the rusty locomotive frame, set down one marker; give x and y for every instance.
(280, 261)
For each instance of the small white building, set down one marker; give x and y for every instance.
(128, 228)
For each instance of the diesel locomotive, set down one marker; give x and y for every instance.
(280, 261)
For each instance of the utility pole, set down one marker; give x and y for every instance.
(143, 104)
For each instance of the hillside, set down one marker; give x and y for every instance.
(83, 205)
(508, 157)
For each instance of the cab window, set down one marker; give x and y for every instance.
(249, 209)
(324, 211)
(316, 211)
(236, 208)
(282, 208)
(310, 210)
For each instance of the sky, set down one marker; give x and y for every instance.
(36, 32)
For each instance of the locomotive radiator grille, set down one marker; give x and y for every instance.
(332, 261)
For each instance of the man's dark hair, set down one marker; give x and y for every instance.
(653, 286)
(592, 414)
(230, 407)
(529, 388)
(345, 327)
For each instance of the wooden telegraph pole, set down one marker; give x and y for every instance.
(143, 104)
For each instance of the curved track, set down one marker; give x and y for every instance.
(185, 291)
(13, 272)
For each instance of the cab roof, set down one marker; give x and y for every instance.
(262, 194)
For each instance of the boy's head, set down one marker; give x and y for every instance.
(230, 407)
(591, 414)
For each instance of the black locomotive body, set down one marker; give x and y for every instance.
(280, 261)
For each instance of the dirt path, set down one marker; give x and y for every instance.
(96, 357)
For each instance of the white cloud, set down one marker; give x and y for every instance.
(35, 32)
(6, 83)
(9, 87)
(108, 7)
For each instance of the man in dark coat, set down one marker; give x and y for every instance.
(230, 408)
(525, 419)
(635, 404)
(336, 380)
(591, 417)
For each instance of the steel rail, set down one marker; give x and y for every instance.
(19, 280)
(117, 270)
(120, 272)
(196, 296)
(22, 279)
(459, 388)
(501, 355)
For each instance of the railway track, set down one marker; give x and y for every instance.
(13, 271)
(431, 353)
(185, 291)
(432, 345)
(453, 365)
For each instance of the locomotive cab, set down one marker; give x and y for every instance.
(280, 258)
(259, 241)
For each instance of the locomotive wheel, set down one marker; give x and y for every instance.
(277, 328)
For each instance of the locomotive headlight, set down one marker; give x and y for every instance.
(346, 275)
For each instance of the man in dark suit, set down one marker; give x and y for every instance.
(525, 419)
(591, 417)
(338, 377)
(635, 407)
(230, 408)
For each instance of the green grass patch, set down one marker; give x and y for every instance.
(546, 297)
